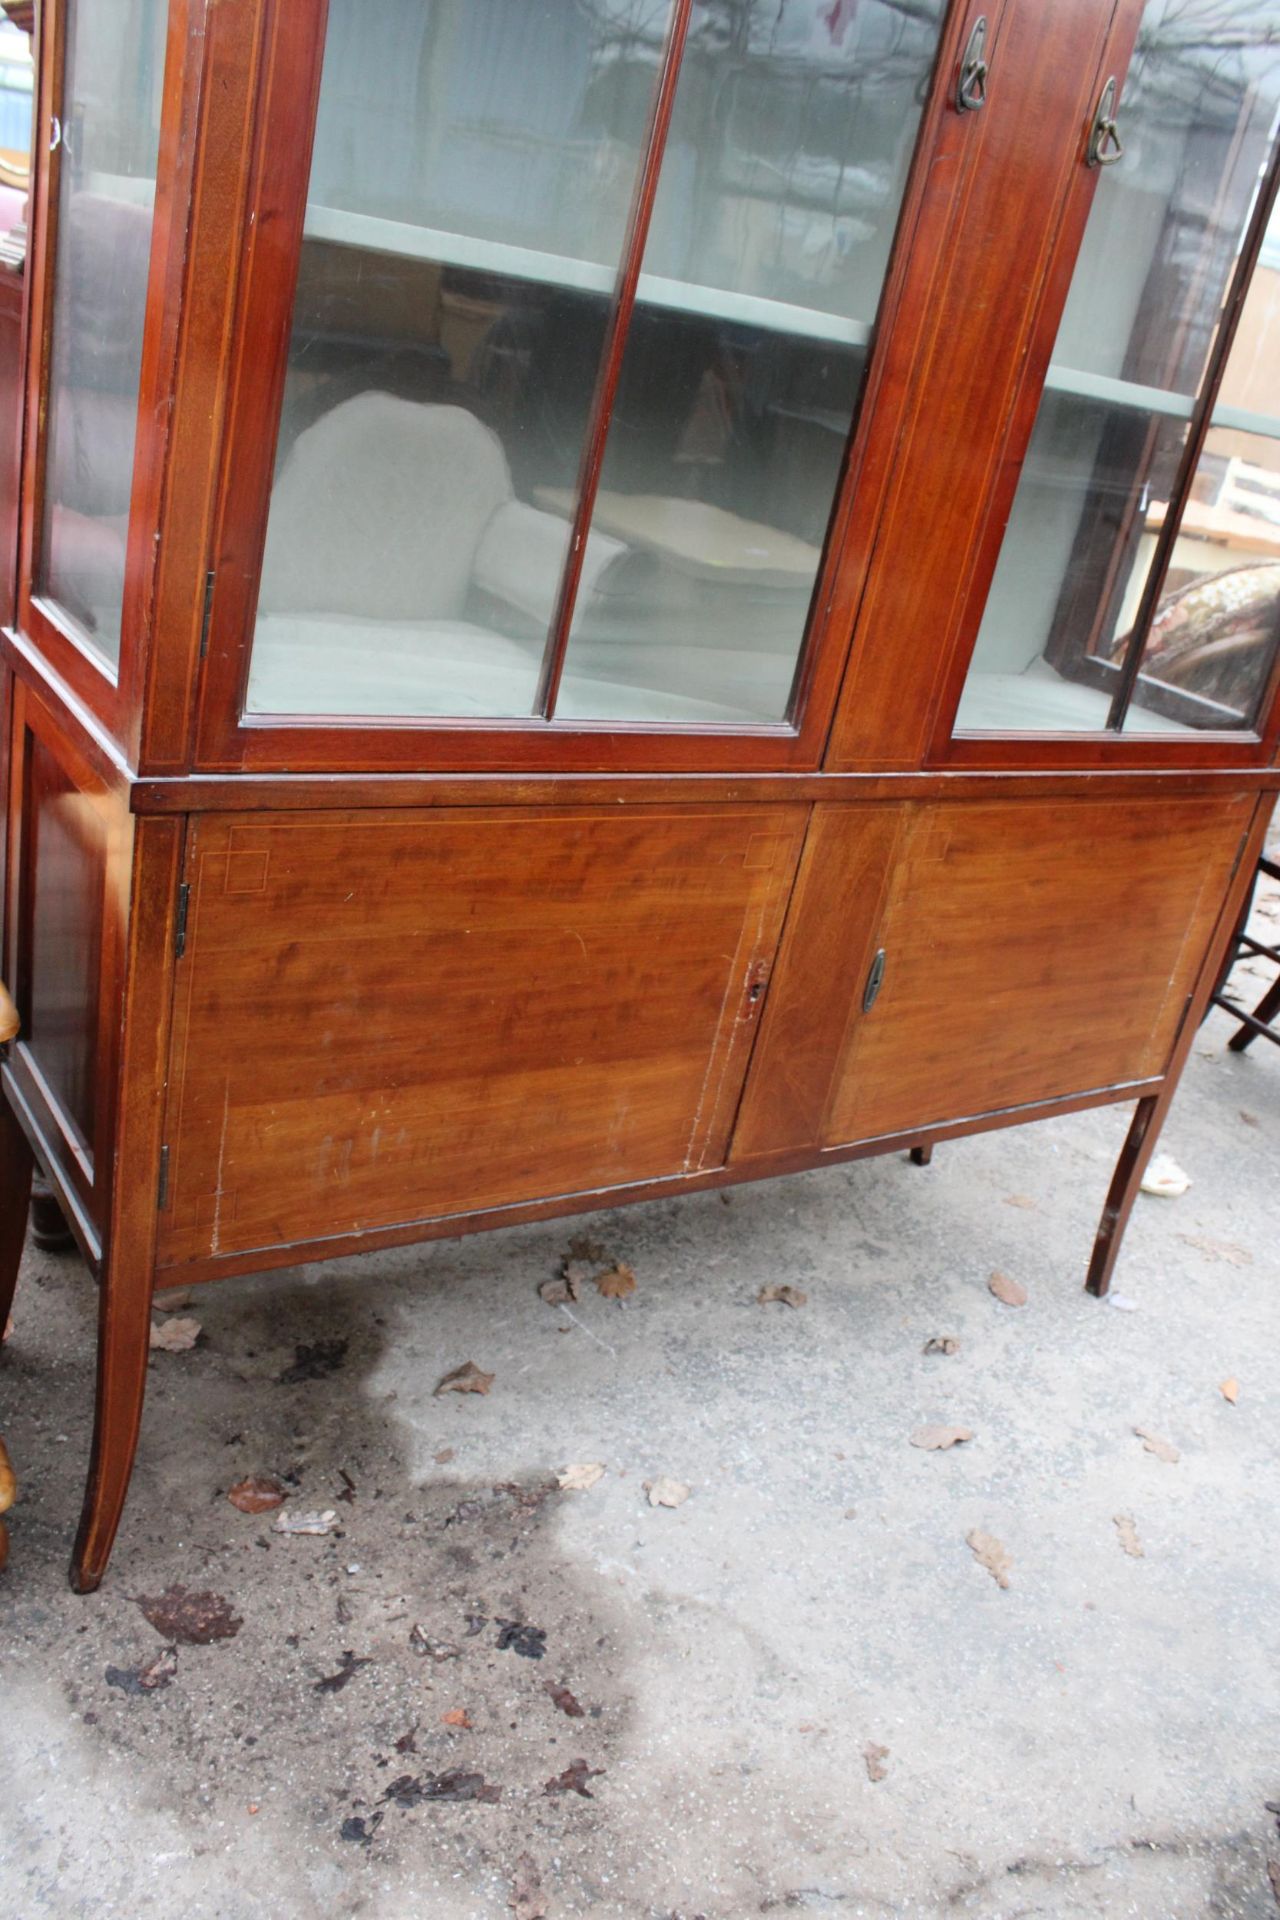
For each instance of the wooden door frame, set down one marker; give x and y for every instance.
(113, 696)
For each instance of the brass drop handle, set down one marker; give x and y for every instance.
(875, 980)
(971, 87)
(1105, 144)
(9, 1021)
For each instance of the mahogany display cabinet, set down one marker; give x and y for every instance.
(612, 596)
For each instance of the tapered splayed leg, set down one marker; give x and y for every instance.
(1144, 1130)
(124, 1331)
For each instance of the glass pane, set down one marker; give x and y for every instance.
(1197, 118)
(1213, 639)
(110, 125)
(473, 170)
(784, 172)
(17, 90)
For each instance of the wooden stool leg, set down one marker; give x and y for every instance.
(49, 1229)
(921, 1156)
(15, 1192)
(124, 1335)
(1266, 1010)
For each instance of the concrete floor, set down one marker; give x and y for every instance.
(1098, 1739)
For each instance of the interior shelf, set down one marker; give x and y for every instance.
(378, 235)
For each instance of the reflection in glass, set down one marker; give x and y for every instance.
(110, 132)
(473, 169)
(784, 171)
(17, 91)
(473, 172)
(1212, 639)
(1198, 118)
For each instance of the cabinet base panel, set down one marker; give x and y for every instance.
(343, 1246)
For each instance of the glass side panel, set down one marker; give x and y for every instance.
(110, 134)
(17, 91)
(472, 175)
(1212, 643)
(1197, 118)
(782, 180)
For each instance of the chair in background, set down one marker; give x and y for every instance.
(1263, 1020)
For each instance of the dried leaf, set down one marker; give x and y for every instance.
(1126, 1527)
(466, 1379)
(1165, 1178)
(1230, 1390)
(456, 1717)
(410, 1790)
(665, 1492)
(519, 1637)
(1161, 1448)
(565, 1701)
(527, 1900)
(583, 1247)
(444, 1456)
(1006, 1288)
(421, 1642)
(314, 1362)
(1022, 1200)
(875, 1758)
(1250, 1119)
(1219, 1249)
(356, 1827)
(991, 1554)
(938, 1439)
(149, 1679)
(289, 1521)
(567, 1284)
(174, 1336)
(942, 1343)
(788, 1296)
(257, 1493)
(581, 1478)
(197, 1619)
(617, 1283)
(574, 1779)
(348, 1665)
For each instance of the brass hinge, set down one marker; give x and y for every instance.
(208, 612)
(180, 925)
(162, 1194)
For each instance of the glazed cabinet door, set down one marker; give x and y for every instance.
(1137, 587)
(1077, 561)
(388, 1017)
(962, 958)
(559, 328)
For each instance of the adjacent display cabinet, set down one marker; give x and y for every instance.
(611, 596)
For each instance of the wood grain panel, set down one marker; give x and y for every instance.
(1034, 950)
(383, 1017)
(839, 900)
